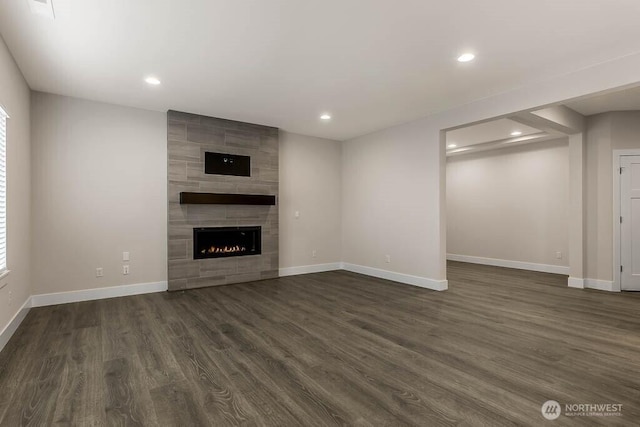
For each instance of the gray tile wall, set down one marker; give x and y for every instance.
(189, 137)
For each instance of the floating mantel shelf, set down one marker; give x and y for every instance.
(225, 199)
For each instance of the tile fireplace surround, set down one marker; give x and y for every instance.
(189, 137)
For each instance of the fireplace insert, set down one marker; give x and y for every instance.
(218, 242)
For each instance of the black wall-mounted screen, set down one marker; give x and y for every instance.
(227, 164)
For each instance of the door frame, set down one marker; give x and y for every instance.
(617, 241)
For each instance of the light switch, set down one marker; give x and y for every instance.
(125, 256)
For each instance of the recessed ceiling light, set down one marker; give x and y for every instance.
(516, 133)
(152, 80)
(451, 146)
(466, 57)
(325, 117)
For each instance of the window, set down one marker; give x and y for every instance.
(3, 191)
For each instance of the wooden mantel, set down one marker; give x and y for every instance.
(226, 199)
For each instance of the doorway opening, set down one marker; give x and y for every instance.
(508, 195)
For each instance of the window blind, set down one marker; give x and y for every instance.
(3, 190)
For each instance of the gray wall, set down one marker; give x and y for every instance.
(605, 133)
(310, 184)
(389, 181)
(189, 137)
(510, 204)
(14, 98)
(99, 189)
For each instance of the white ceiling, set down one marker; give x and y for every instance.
(624, 100)
(495, 130)
(370, 63)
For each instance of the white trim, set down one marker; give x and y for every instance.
(617, 162)
(423, 282)
(98, 293)
(520, 265)
(4, 137)
(601, 285)
(13, 324)
(575, 282)
(3, 276)
(306, 269)
(75, 296)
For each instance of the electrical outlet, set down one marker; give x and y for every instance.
(125, 269)
(125, 256)
(313, 253)
(387, 258)
(559, 255)
(10, 298)
(99, 272)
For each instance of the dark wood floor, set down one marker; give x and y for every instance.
(329, 348)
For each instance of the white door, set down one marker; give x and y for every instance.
(630, 225)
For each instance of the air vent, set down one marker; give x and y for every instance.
(42, 8)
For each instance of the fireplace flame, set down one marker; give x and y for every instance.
(223, 250)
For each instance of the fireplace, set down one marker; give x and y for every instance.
(245, 195)
(219, 242)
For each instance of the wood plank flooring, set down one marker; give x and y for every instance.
(329, 348)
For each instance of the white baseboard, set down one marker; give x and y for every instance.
(601, 285)
(98, 293)
(575, 282)
(13, 324)
(306, 269)
(544, 268)
(423, 282)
